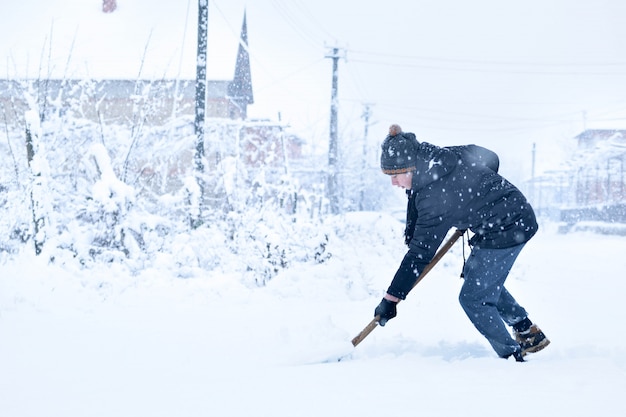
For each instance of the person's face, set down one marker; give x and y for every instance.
(402, 180)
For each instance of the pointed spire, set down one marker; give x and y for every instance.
(240, 89)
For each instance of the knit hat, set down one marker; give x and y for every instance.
(399, 151)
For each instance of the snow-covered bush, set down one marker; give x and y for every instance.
(130, 195)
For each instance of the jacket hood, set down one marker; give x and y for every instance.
(432, 164)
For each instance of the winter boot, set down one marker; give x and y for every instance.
(531, 340)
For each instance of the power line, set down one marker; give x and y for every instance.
(297, 25)
(484, 69)
(311, 18)
(489, 62)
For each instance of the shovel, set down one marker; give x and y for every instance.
(442, 251)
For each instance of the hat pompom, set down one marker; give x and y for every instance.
(394, 130)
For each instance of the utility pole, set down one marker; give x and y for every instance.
(332, 188)
(201, 57)
(201, 62)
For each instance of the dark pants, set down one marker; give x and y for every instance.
(485, 300)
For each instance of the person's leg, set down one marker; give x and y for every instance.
(485, 300)
(510, 311)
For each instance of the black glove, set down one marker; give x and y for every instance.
(386, 310)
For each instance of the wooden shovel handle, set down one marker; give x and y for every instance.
(442, 251)
(366, 331)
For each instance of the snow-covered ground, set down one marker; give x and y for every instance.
(103, 343)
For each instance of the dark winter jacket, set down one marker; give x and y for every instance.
(449, 193)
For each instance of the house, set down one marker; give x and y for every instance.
(591, 186)
(163, 111)
(590, 139)
(150, 102)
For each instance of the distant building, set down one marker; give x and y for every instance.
(600, 169)
(157, 102)
(153, 102)
(591, 186)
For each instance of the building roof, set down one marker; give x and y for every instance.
(238, 90)
(599, 134)
(113, 88)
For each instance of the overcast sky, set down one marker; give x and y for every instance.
(502, 74)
